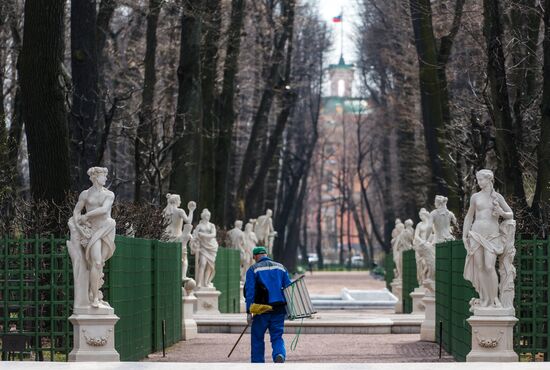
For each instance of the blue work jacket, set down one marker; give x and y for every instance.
(269, 277)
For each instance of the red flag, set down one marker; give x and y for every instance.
(337, 19)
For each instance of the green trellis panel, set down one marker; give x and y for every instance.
(531, 333)
(409, 279)
(227, 279)
(443, 293)
(389, 265)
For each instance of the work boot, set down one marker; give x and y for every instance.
(279, 359)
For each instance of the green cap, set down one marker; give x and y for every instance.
(259, 250)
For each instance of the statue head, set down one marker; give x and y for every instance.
(440, 201)
(409, 223)
(268, 212)
(98, 175)
(423, 214)
(238, 224)
(205, 215)
(398, 221)
(485, 178)
(248, 227)
(173, 200)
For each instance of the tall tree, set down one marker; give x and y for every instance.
(434, 98)
(509, 172)
(186, 154)
(44, 99)
(145, 133)
(83, 129)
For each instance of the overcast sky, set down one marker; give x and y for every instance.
(332, 8)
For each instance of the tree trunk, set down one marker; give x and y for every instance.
(44, 99)
(185, 176)
(144, 141)
(83, 129)
(542, 193)
(226, 111)
(443, 174)
(509, 174)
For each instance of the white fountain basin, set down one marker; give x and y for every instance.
(355, 299)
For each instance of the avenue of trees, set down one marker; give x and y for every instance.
(220, 101)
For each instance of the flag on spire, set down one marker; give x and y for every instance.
(337, 19)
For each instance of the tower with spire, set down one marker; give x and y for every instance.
(341, 78)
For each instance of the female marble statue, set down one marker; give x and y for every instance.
(92, 240)
(250, 242)
(178, 226)
(264, 230)
(442, 219)
(399, 227)
(205, 247)
(485, 239)
(424, 248)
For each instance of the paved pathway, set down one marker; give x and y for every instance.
(321, 348)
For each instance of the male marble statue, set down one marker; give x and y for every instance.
(403, 243)
(442, 219)
(424, 248)
(399, 227)
(205, 247)
(485, 239)
(236, 235)
(264, 230)
(92, 240)
(178, 226)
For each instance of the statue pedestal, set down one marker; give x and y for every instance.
(242, 301)
(492, 335)
(188, 324)
(427, 329)
(94, 336)
(417, 305)
(397, 290)
(207, 301)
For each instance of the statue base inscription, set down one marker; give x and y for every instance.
(492, 335)
(94, 338)
(427, 329)
(417, 305)
(188, 324)
(207, 301)
(397, 290)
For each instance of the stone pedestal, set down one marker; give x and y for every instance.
(427, 329)
(188, 324)
(207, 301)
(94, 335)
(397, 290)
(242, 301)
(492, 335)
(417, 295)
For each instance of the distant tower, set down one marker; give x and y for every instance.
(341, 78)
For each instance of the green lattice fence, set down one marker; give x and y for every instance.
(409, 279)
(531, 334)
(142, 283)
(389, 265)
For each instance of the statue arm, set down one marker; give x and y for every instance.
(105, 207)
(77, 212)
(505, 211)
(468, 220)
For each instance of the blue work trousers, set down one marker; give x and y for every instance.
(275, 322)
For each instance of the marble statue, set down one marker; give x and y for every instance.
(403, 242)
(442, 220)
(205, 247)
(263, 228)
(92, 241)
(424, 250)
(178, 226)
(399, 227)
(485, 239)
(250, 242)
(236, 236)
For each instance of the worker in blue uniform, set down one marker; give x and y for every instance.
(264, 284)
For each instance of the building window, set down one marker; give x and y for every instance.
(341, 87)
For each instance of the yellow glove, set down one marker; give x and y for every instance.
(258, 309)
